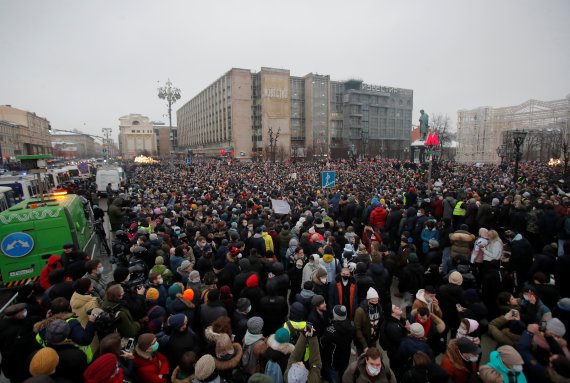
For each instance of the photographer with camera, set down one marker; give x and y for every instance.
(125, 324)
(134, 291)
(297, 370)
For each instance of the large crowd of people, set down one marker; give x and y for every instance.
(382, 278)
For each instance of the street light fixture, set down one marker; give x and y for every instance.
(518, 140)
(171, 94)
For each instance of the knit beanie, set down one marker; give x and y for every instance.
(339, 313)
(255, 325)
(185, 264)
(556, 327)
(417, 330)
(152, 294)
(509, 355)
(176, 321)
(371, 293)
(57, 331)
(328, 258)
(297, 312)
(145, 340)
(252, 281)
(224, 345)
(282, 335)
(102, 369)
(243, 304)
(44, 362)
(188, 294)
(456, 278)
(159, 260)
(194, 274)
(204, 367)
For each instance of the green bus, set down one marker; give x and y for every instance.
(31, 231)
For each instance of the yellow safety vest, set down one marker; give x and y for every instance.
(458, 210)
(86, 349)
(299, 326)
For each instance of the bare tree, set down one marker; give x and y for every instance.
(441, 124)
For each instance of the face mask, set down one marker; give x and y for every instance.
(373, 371)
(248, 309)
(345, 278)
(299, 265)
(270, 275)
(159, 281)
(526, 297)
(474, 359)
(323, 280)
(419, 214)
(517, 368)
(100, 270)
(154, 347)
(462, 331)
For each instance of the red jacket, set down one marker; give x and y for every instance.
(437, 208)
(457, 372)
(149, 369)
(378, 217)
(53, 263)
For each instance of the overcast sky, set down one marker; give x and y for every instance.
(84, 64)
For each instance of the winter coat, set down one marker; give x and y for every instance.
(148, 367)
(335, 344)
(449, 295)
(72, 362)
(254, 294)
(458, 370)
(421, 301)
(393, 334)
(356, 373)
(461, 243)
(298, 353)
(273, 310)
(363, 337)
(499, 331)
(181, 305)
(411, 278)
(279, 284)
(278, 352)
(53, 263)
(378, 217)
(115, 212)
(99, 285)
(408, 347)
(226, 367)
(179, 343)
(496, 363)
(16, 344)
(239, 325)
(80, 304)
(348, 299)
(78, 334)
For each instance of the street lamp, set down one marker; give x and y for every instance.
(273, 142)
(502, 152)
(518, 140)
(171, 95)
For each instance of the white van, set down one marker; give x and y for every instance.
(108, 175)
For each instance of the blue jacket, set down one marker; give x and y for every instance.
(496, 362)
(409, 346)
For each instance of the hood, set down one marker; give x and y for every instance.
(174, 290)
(473, 325)
(78, 300)
(411, 212)
(421, 296)
(293, 243)
(53, 259)
(42, 325)
(307, 293)
(285, 348)
(454, 356)
(210, 335)
(185, 301)
(496, 362)
(230, 364)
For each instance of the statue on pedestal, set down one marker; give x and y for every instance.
(424, 125)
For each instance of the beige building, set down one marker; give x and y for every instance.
(482, 130)
(246, 112)
(136, 136)
(8, 140)
(163, 139)
(31, 135)
(86, 147)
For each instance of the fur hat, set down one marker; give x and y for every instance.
(204, 367)
(224, 345)
(456, 278)
(255, 325)
(44, 362)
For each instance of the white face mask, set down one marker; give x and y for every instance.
(526, 297)
(517, 368)
(270, 275)
(299, 265)
(373, 371)
(462, 331)
(323, 280)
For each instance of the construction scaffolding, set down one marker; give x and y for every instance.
(480, 131)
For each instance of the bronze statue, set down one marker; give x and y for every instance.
(424, 125)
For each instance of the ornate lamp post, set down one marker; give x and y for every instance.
(171, 94)
(273, 142)
(518, 140)
(502, 152)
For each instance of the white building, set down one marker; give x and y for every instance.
(136, 136)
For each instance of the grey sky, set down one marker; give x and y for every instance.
(83, 64)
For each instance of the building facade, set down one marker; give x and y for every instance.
(136, 136)
(482, 130)
(85, 146)
(23, 132)
(257, 114)
(163, 138)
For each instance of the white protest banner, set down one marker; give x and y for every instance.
(280, 207)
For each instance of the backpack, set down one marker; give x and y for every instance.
(249, 362)
(273, 370)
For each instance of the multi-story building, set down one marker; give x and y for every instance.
(136, 136)
(8, 140)
(482, 130)
(163, 138)
(85, 146)
(255, 114)
(31, 134)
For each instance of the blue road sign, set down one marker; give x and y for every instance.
(83, 167)
(188, 161)
(17, 244)
(328, 179)
(104, 150)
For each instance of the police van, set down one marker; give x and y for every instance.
(33, 230)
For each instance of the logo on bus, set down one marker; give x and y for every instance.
(17, 245)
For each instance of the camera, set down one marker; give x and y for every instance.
(542, 327)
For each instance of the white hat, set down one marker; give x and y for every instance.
(372, 293)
